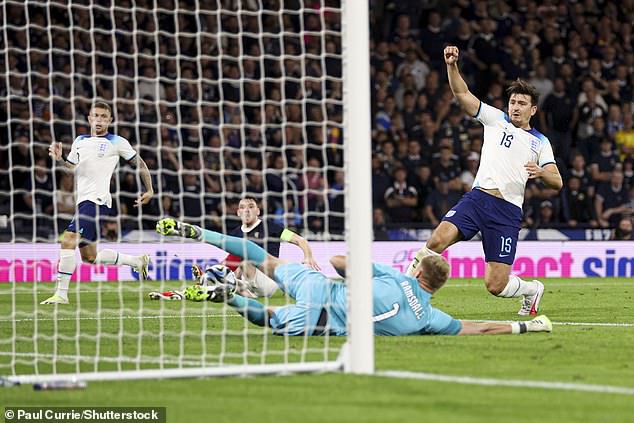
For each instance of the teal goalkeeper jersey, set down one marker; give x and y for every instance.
(401, 306)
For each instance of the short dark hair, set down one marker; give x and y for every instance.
(101, 105)
(250, 198)
(522, 87)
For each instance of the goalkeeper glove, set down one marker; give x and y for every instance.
(215, 294)
(169, 226)
(196, 293)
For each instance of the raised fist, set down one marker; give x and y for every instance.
(451, 55)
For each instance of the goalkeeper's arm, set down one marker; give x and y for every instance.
(339, 263)
(293, 238)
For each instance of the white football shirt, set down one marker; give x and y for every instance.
(505, 150)
(96, 158)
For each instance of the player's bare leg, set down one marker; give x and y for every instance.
(501, 283)
(445, 235)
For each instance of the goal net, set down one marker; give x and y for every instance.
(222, 100)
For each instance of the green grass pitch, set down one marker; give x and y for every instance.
(586, 354)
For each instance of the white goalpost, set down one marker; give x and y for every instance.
(223, 99)
(356, 53)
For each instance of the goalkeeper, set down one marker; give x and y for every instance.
(252, 283)
(401, 303)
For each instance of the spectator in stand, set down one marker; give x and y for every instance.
(401, 198)
(608, 62)
(413, 159)
(425, 132)
(39, 200)
(542, 83)
(625, 78)
(612, 94)
(409, 113)
(546, 217)
(579, 205)
(380, 225)
(168, 207)
(515, 64)
(590, 106)
(439, 202)
(483, 53)
(404, 29)
(433, 40)
(611, 200)
(414, 66)
(628, 173)
(446, 168)
(623, 231)
(468, 175)
(424, 184)
(388, 157)
(579, 171)
(614, 121)
(455, 129)
(604, 162)
(380, 182)
(65, 197)
(625, 136)
(590, 146)
(556, 118)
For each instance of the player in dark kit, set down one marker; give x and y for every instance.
(268, 235)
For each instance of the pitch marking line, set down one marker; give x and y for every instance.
(175, 316)
(220, 315)
(616, 324)
(106, 359)
(536, 384)
(626, 282)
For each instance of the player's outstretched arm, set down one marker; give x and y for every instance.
(538, 324)
(55, 152)
(293, 238)
(469, 102)
(144, 172)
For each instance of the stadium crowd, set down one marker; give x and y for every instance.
(218, 111)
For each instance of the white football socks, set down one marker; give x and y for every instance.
(65, 270)
(517, 287)
(113, 257)
(422, 253)
(67, 265)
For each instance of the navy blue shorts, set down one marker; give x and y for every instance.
(87, 221)
(496, 219)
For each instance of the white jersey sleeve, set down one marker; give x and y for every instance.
(489, 115)
(546, 155)
(73, 156)
(125, 150)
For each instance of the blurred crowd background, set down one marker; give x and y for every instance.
(248, 99)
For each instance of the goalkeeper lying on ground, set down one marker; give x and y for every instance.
(401, 302)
